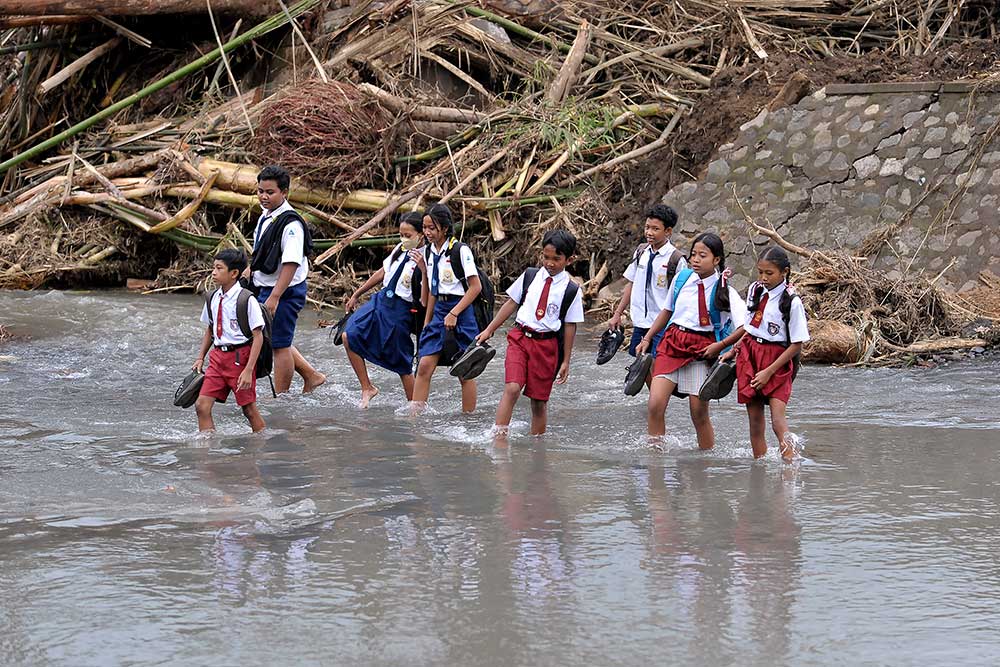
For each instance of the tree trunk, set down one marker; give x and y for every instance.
(129, 7)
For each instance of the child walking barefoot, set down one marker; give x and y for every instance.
(766, 362)
(549, 305)
(381, 331)
(698, 309)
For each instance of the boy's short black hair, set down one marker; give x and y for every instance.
(561, 240)
(277, 174)
(235, 260)
(664, 214)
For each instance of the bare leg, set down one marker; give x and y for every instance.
(368, 390)
(539, 416)
(203, 407)
(470, 394)
(252, 414)
(755, 411)
(407, 381)
(505, 410)
(659, 397)
(422, 383)
(284, 368)
(310, 376)
(779, 423)
(702, 423)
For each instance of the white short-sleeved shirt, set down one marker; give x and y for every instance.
(231, 334)
(685, 311)
(529, 303)
(292, 247)
(440, 261)
(641, 312)
(772, 326)
(404, 288)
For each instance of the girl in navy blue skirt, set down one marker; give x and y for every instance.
(381, 330)
(450, 324)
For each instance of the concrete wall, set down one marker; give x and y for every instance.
(849, 160)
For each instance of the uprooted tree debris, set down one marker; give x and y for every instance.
(130, 153)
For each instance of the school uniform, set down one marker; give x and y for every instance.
(648, 273)
(380, 331)
(293, 251)
(231, 349)
(532, 359)
(766, 339)
(690, 331)
(448, 290)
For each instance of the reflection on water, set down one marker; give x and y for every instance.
(340, 536)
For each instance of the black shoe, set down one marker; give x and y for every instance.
(337, 331)
(473, 362)
(611, 341)
(719, 382)
(635, 375)
(187, 393)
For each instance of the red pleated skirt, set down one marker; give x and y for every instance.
(754, 357)
(679, 347)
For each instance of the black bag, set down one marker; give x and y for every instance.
(485, 302)
(265, 360)
(571, 289)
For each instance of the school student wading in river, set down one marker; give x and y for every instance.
(278, 274)
(381, 331)
(700, 312)
(451, 287)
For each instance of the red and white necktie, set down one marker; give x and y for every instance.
(758, 315)
(543, 300)
(218, 319)
(703, 318)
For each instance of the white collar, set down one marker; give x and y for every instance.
(666, 249)
(234, 290)
(275, 212)
(706, 281)
(777, 290)
(558, 278)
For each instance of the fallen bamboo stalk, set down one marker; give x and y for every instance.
(77, 65)
(31, 21)
(188, 210)
(563, 83)
(421, 112)
(388, 210)
(519, 29)
(259, 30)
(659, 143)
(660, 51)
(475, 174)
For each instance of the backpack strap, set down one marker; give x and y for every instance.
(243, 313)
(672, 263)
(208, 307)
(641, 248)
(571, 289)
(455, 255)
(785, 306)
(682, 278)
(529, 277)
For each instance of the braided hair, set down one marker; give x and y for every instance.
(778, 257)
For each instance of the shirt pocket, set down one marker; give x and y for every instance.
(448, 273)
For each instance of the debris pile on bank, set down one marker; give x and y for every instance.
(129, 154)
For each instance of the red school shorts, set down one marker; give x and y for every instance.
(223, 373)
(754, 357)
(531, 363)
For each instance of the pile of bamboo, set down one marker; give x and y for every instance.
(520, 125)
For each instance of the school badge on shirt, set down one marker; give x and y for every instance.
(661, 280)
(553, 309)
(234, 324)
(773, 328)
(447, 275)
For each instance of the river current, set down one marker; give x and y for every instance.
(347, 537)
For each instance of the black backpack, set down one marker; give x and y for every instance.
(417, 309)
(785, 307)
(675, 259)
(484, 304)
(571, 289)
(265, 360)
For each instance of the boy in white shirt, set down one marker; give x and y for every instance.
(233, 357)
(279, 270)
(549, 305)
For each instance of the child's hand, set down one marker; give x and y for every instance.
(352, 304)
(729, 355)
(760, 380)
(245, 379)
(450, 321)
(563, 373)
(418, 258)
(614, 322)
(484, 336)
(198, 364)
(271, 304)
(641, 347)
(712, 351)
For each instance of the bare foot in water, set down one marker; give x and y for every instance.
(313, 382)
(366, 397)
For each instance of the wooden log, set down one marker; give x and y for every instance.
(421, 112)
(570, 69)
(831, 342)
(77, 65)
(31, 21)
(129, 7)
(792, 92)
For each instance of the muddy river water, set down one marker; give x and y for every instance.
(347, 537)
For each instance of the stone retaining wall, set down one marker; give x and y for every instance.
(849, 160)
